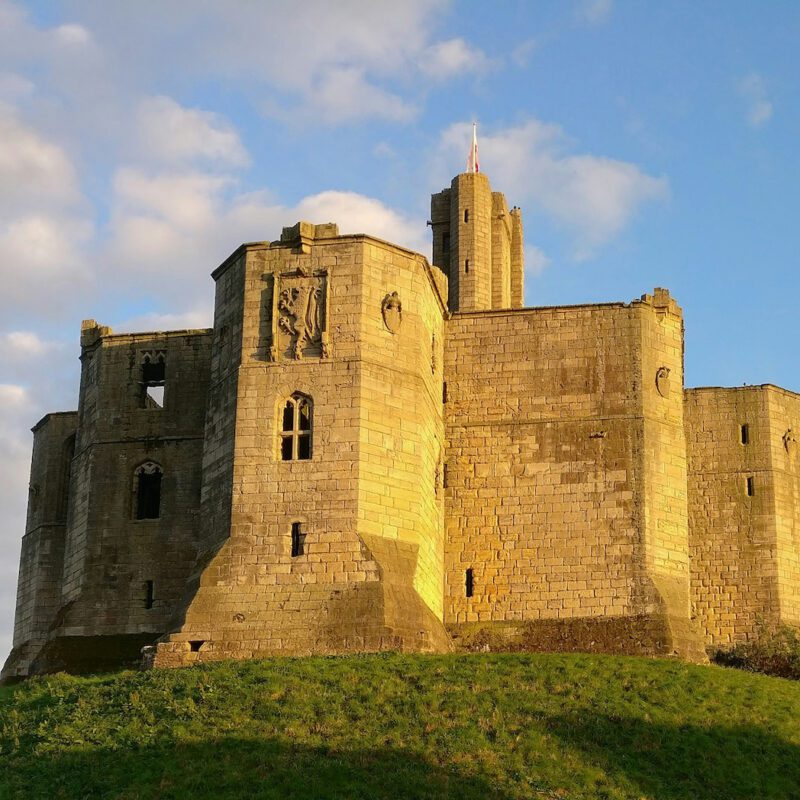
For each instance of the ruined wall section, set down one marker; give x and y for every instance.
(41, 559)
(314, 307)
(732, 535)
(124, 575)
(784, 443)
(517, 259)
(543, 426)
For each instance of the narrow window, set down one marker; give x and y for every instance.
(466, 265)
(745, 432)
(446, 243)
(153, 380)
(469, 583)
(444, 476)
(148, 491)
(196, 645)
(751, 486)
(466, 215)
(149, 594)
(296, 429)
(444, 391)
(298, 540)
(67, 454)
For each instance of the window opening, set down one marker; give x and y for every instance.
(148, 491)
(444, 475)
(466, 266)
(149, 594)
(196, 645)
(298, 540)
(68, 453)
(296, 429)
(444, 391)
(153, 380)
(745, 433)
(469, 583)
(466, 215)
(751, 486)
(446, 243)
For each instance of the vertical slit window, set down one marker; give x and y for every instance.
(148, 491)
(466, 265)
(446, 243)
(149, 594)
(750, 485)
(466, 215)
(296, 429)
(298, 540)
(444, 391)
(469, 583)
(745, 434)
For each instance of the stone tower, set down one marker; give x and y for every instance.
(478, 243)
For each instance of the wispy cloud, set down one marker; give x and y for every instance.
(594, 12)
(592, 197)
(759, 107)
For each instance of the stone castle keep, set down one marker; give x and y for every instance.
(371, 452)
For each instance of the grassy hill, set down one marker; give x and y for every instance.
(393, 726)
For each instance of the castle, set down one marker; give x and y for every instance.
(369, 452)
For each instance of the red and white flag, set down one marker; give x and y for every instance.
(472, 158)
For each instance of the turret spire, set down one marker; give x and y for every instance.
(472, 159)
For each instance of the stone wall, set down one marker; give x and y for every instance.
(744, 548)
(549, 436)
(369, 576)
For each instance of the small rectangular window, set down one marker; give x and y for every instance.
(469, 583)
(745, 434)
(444, 392)
(466, 266)
(466, 215)
(751, 486)
(298, 540)
(149, 594)
(446, 243)
(154, 377)
(444, 476)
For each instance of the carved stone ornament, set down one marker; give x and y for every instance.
(299, 317)
(392, 310)
(663, 381)
(790, 442)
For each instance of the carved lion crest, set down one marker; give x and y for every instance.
(300, 315)
(392, 310)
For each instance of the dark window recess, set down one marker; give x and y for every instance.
(296, 429)
(68, 453)
(444, 476)
(446, 243)
(745, 433)
(149, 594)
(148, 492)
(196, 645)
(469, 583)
(153, 381)
(298, 540)
(444, 392)
(466, 266)
(466, 215)
(751, 486)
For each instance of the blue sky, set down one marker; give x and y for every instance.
(648, 144)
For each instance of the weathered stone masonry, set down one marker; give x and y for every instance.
(370, 452)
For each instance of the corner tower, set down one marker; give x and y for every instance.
(478, 244)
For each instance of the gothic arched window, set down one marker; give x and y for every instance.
(147, 491)
(296, 421)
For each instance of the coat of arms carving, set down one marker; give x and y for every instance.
(392, 310)
(300, 317)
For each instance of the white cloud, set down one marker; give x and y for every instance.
(522, 53)
(594, 12)
(72, 35)
(34, 172)
(535, 260)
(23, 345)
(14, 87)
(172, 133)
(759, 107)
(453, 58)
(591, 196)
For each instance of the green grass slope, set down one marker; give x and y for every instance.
(394, 726)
